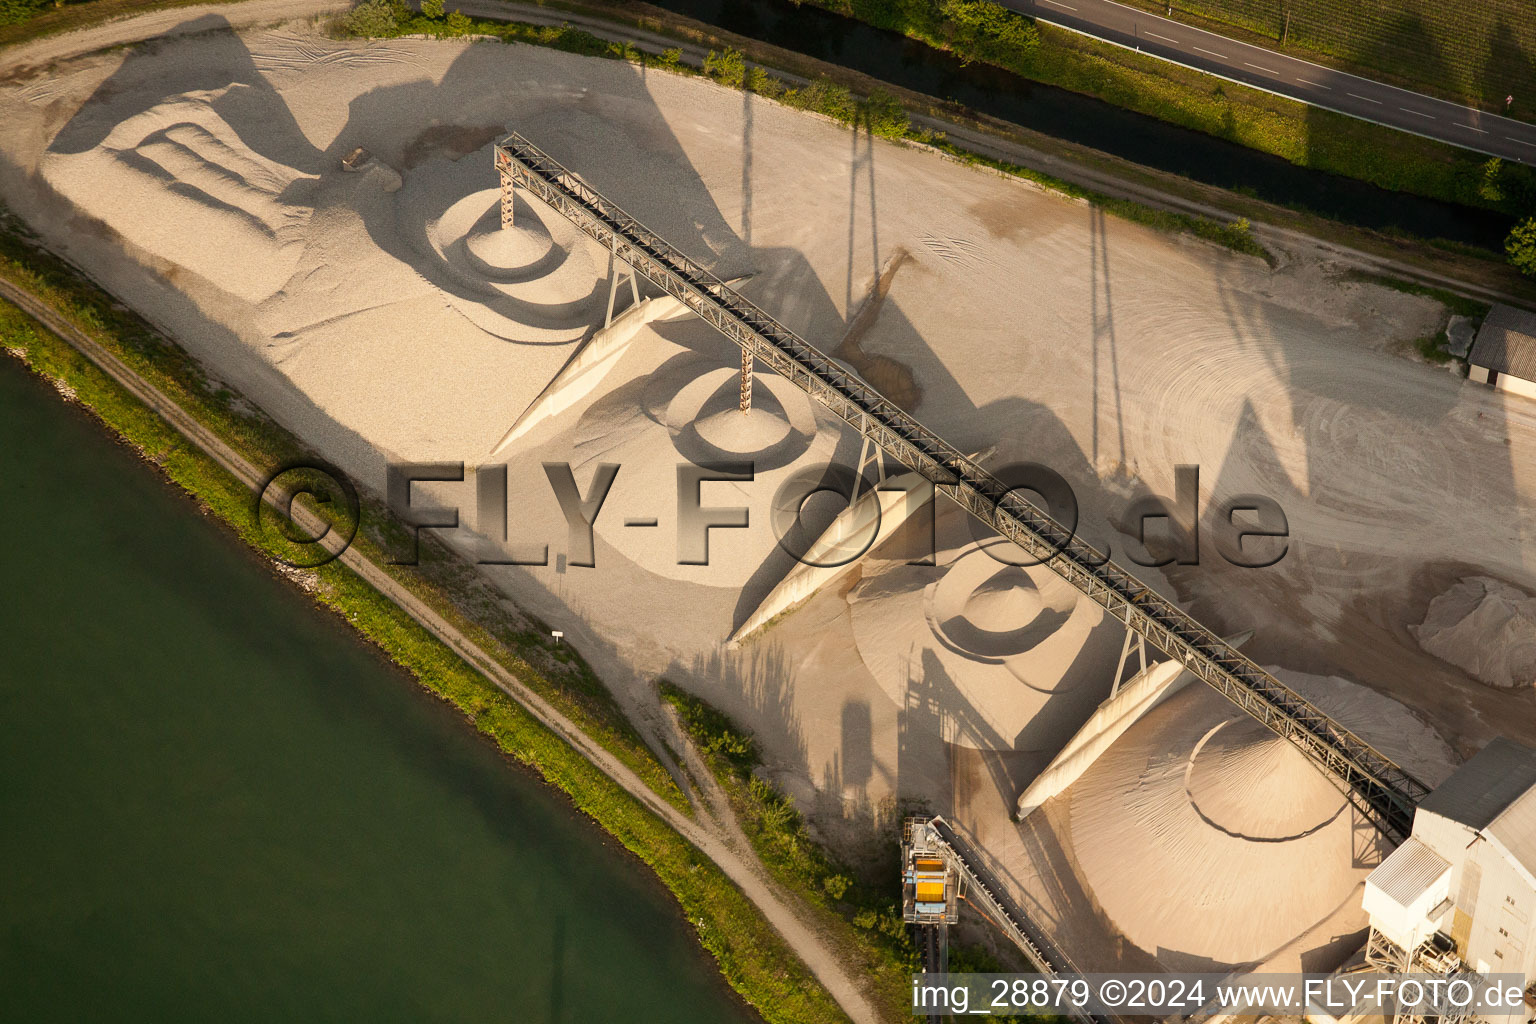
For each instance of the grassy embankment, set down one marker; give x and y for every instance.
(518, 642)
(977, 30)
(24, 20)
(864, 918)
(861, 915)
(751, 955)
(1472, 51)
(878, 113)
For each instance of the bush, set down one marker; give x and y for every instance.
(1491, 188)
(432, 8)
(825, 97)
(836, 885)
(764, 84)
(884, 115)
(14, 12)
(376, 17)
(458, 23)
(671, 59)
(1521, 247)
(728, 68)
(985, 31)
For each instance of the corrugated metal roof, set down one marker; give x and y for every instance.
(1515, 828)
(1480, 790)
(1507, 342)
(1408, 872)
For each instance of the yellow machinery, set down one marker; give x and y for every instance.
(930, 891)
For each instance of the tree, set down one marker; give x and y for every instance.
(432, 8)
(458, 23)
(1521, 247)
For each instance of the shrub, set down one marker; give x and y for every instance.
(376, 18)
(884, 115)
(836, 885)
(825, 97)
(458, 23)
(670, 59)
(764, 84)
(1521, 247)
(14, 12)
(432, 8)
(985, 31)
(728, 68)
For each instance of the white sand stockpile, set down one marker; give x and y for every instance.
(240, 217)
(541, 280)
(666, 405)
(1205, 837)
(1486, 627)
(1020, 657)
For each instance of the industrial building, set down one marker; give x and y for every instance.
(1460, 893)
(1504, 354)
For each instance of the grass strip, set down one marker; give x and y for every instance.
(862, 917)
(23, 22)
(1475, 52)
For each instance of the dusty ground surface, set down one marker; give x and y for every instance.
(383, 316)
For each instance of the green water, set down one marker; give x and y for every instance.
(217, 805)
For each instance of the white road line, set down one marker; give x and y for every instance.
(1420, 113)
(1520, 142)
(1202, 49)
(1315, 85)
(1165, 39)
(1058, 3)
(1478, 130)
(1261, 68)
(1367, 99)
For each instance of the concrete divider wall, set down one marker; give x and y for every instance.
(1140, 694)
(587, 368)
(908, 493)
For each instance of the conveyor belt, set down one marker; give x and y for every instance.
(1383, 792)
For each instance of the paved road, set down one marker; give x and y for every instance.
(1289, 76)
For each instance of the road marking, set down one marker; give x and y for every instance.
(1420, 113)
(1315, 85)
(1366, 98)
(1202, 49)
(1058, 3)
(1165, 39)
(1520, 142)
(1262, 68)
(1478, 130)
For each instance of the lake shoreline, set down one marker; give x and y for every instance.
(749, 952)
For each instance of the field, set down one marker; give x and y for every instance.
(1480, 51)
